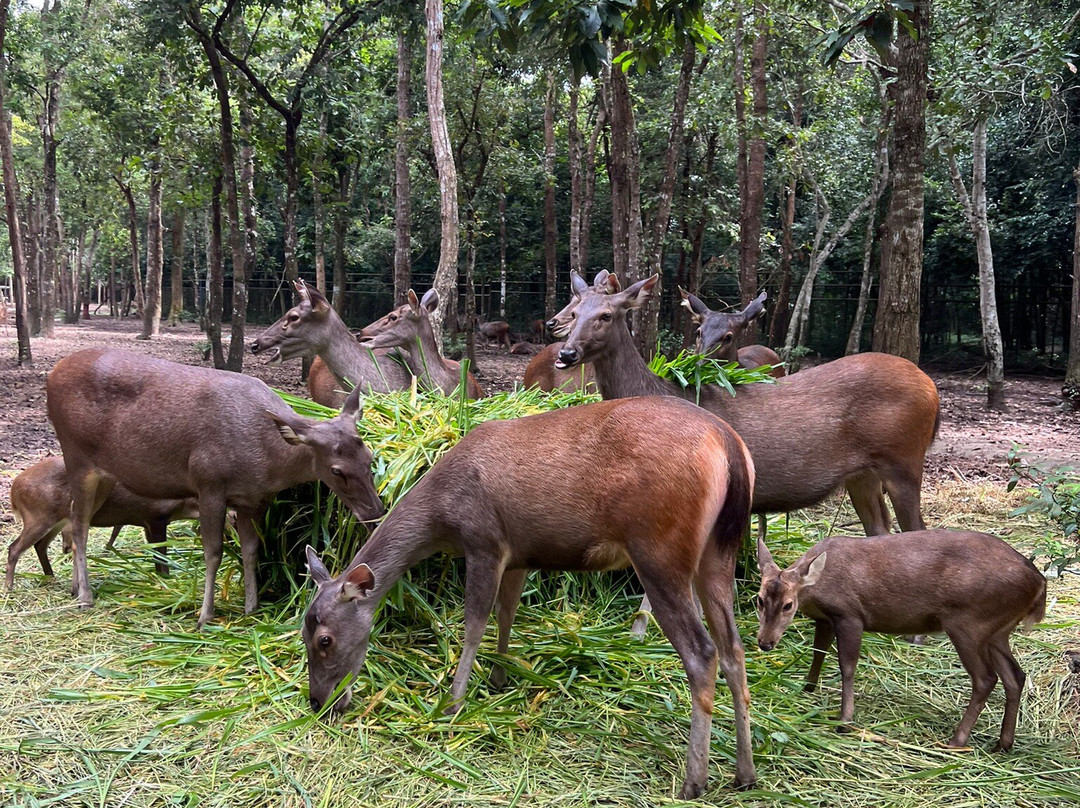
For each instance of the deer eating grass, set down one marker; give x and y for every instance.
(521, 494)
(41, 498)
(408, 329)
(864, 422)
(972, 586)
(169, 431)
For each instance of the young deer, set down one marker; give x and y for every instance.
(863, 422)
(973, 586)
(170, 431)
(41, 498)
(408, 328)
(719, 333)
(311, 328)
(676, 511)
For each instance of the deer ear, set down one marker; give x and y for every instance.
(316, 569)
(577, 284)
(288, 431)
(764, 557)
(352, 405)
(755, 308)
(357, 582)
(301, 288)
(693, 304)
(430, 300)
(320, 306)
(413, 300)
(817, 566)
(635, 296)
(613, 284)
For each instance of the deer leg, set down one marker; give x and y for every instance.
(88, 491)
(1012, 679)
(482, 576)
(848, 643)
(715, 584)
(975, 657)
(823, 637)
(116, 533)
(904, 490)
(869, 501)
(513, 581)
(211, 531)
(33, 534)
(674, 611)
(249, 552)
(156, 535)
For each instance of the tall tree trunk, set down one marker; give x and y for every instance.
(1070, 391)
(974, 206)
(114, 306)
(551, 231)
(11, 210)
(402, 203)
(502, 249)
(317, 205)
(470, 287)
(588, 196)
(31, 247)
(779, 322)
(896, 325)
(446, 274)
(133, 242)
(292, 186)
(341, 226)
(573, 138)
(245, 193)
(215, 277)
(176, 272)
(865, 283)
(155, 256)
(50, 119)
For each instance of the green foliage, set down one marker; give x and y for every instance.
(1056, 495)
(688, 369)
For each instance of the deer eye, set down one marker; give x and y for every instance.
(393, 317)
(605, 317)
(325, 641)
(293, 318)
(337, 472)
(788, 606)
(727, 338)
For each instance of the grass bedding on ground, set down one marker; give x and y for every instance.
(126, 704)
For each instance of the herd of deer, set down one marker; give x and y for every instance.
(677, 484)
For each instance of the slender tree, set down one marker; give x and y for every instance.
(1071, 389)
(11, 209)
(402, 207)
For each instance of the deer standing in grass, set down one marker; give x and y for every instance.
(498, 330)
(719, 333)
(408, 329)
(41, 498)
(973, 586)
(864, 422)
(170, 431)
(521, 494)
(313, 328)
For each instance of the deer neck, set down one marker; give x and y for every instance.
(622, 373)
(347, 359)
(426, 362)
(403, 539)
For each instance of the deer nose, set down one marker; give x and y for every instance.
(568, 356)
(550, 324)
(316, 705)
(766, 646)
(255, 347)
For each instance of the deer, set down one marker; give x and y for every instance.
(313, 328)
(498, 330)
(972, 586)
(719, 333)
(41, 498)
(408, 329)
(864, 422)
(169, 431)
(677, 516)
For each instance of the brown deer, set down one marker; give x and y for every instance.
(864, 422)
(408, 329)
(677, 515)
(170, 431)
(41, 498)
(497, 330)
(973, 586)
(311, 328)
(719, 333)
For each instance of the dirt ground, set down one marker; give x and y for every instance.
(971, 446)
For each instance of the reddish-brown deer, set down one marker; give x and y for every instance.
(519, 495)
(408, 329)
(41, 498)
(973, 586)
(497, 330)
(864, 422)
(719, 333)
(170, 431)
(312, 328)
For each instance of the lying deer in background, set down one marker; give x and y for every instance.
(719, 333)
(313, 328)
(41, 498)
(973, 586)
(677, 515)
(170, 431)
(408, 328)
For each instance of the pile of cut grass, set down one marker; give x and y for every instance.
(127, 704)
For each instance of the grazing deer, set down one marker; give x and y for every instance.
(311, 328)
(498, 330)
(973, 586)
(719, 333)
(864, 422)
(41, 498)
(408, 329)
(170, 431)
(677, 515)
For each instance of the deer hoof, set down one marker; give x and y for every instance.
(691, 791)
